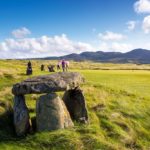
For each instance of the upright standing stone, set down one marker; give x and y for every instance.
(51, 113)
(29, 68)
(42, 67)
(75, 103)
(21, 115)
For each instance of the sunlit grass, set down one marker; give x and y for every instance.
(118, 103)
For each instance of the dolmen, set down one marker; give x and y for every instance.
(52, 112)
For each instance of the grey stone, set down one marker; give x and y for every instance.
(51, 113)
(48, 83)
(21, 116)
(75, 103)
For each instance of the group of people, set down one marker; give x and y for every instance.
(61, 64)
(64, 64)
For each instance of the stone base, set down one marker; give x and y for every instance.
(29, 71)
(21, 116)
(75, 103)
(51, 113)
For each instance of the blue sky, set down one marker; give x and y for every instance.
(33, 28)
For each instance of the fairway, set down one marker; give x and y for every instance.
(118, 103)
(132, 81)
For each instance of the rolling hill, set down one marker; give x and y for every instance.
(139, 56)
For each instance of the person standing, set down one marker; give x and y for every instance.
(67, 65)
(58, 65)
(63, 64)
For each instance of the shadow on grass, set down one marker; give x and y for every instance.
(22, 74)
(7, 132)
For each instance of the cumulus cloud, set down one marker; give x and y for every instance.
(104, 46)
(115, 46)
(146, 24)
(21, 33)
(111, 36)
(142, 6)
(131, 25)
(42, 46)
(122, 47)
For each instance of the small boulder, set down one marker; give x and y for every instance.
(21, 116)
(51, 113)
(75, 103)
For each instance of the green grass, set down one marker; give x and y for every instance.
(135, 82)
(118, 103)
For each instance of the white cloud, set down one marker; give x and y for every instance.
(40, 47)
(121, 47)
(142, 6)
(146, 24)
(21, 33)
(111, 36)
(131, 25)
(115, 46)
(104, 46)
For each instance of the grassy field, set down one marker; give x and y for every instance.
(118, 102)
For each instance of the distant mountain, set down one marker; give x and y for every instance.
(138, 56)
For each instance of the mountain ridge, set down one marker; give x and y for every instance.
(141, 56)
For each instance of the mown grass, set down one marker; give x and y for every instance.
(118, 103)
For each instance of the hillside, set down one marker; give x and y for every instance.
(139, 56)
(117, 101)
